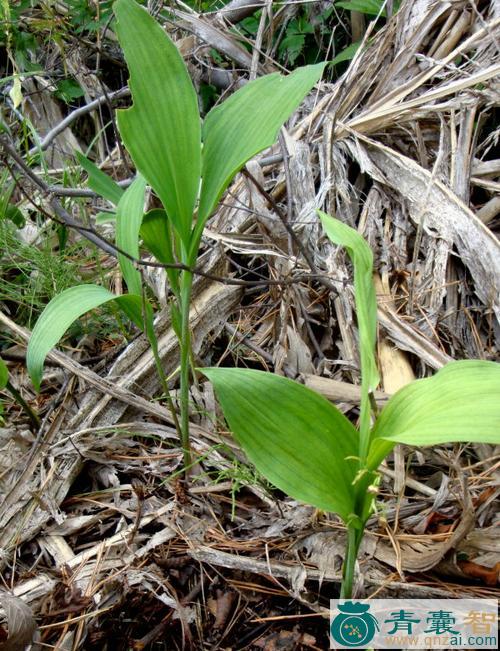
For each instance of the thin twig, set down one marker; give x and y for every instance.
(65, 219)
(74, 115)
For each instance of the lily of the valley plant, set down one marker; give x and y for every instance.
(306, 447)
(188, 163)
(295, 437)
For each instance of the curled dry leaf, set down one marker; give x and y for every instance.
(488, 575)
(422, 553)
(221, 608)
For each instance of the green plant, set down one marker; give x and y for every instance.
(306, 447)
(189, 164)
(9, 210)
(5, 384)
(32, 274)
(240, 475)
(303, 35)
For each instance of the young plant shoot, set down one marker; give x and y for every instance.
(188, 163)
(307, 448)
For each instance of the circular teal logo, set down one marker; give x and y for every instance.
(354, 626)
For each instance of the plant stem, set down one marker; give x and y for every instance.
(354, 538)
(35, 420)
(164, 384)
(185, 346)
(150, 333)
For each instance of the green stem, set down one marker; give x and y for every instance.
(149, 331)
(185, 346)
(189, 257)
(164, 384)
(354, 538)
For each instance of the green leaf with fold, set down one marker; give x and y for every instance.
(62, 311)
(156, 235)
(162, 129)
(294, 436)
(129, 214)
(347, 54)
(99, 181)
(364, 290)
(460, 403)
(245, 124)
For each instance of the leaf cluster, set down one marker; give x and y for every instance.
(306, 447)
(187, 162)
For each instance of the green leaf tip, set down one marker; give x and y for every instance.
(460, 403)
(100, 182)
(245, 124)
(62, 311)
(162, 128)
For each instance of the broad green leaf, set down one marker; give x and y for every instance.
(347, 53)
(155, 233)
(129, 213)
(245, 124)
(460, 403)
(68, 90)
(13, 213)
(366, 310)
(99, 181)
(4, 374)
(292, 45)
(156, 237)
(294, 436)
(175, 318)
(370, 7)
(162, 129)
(9, 210)
(62, 311)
